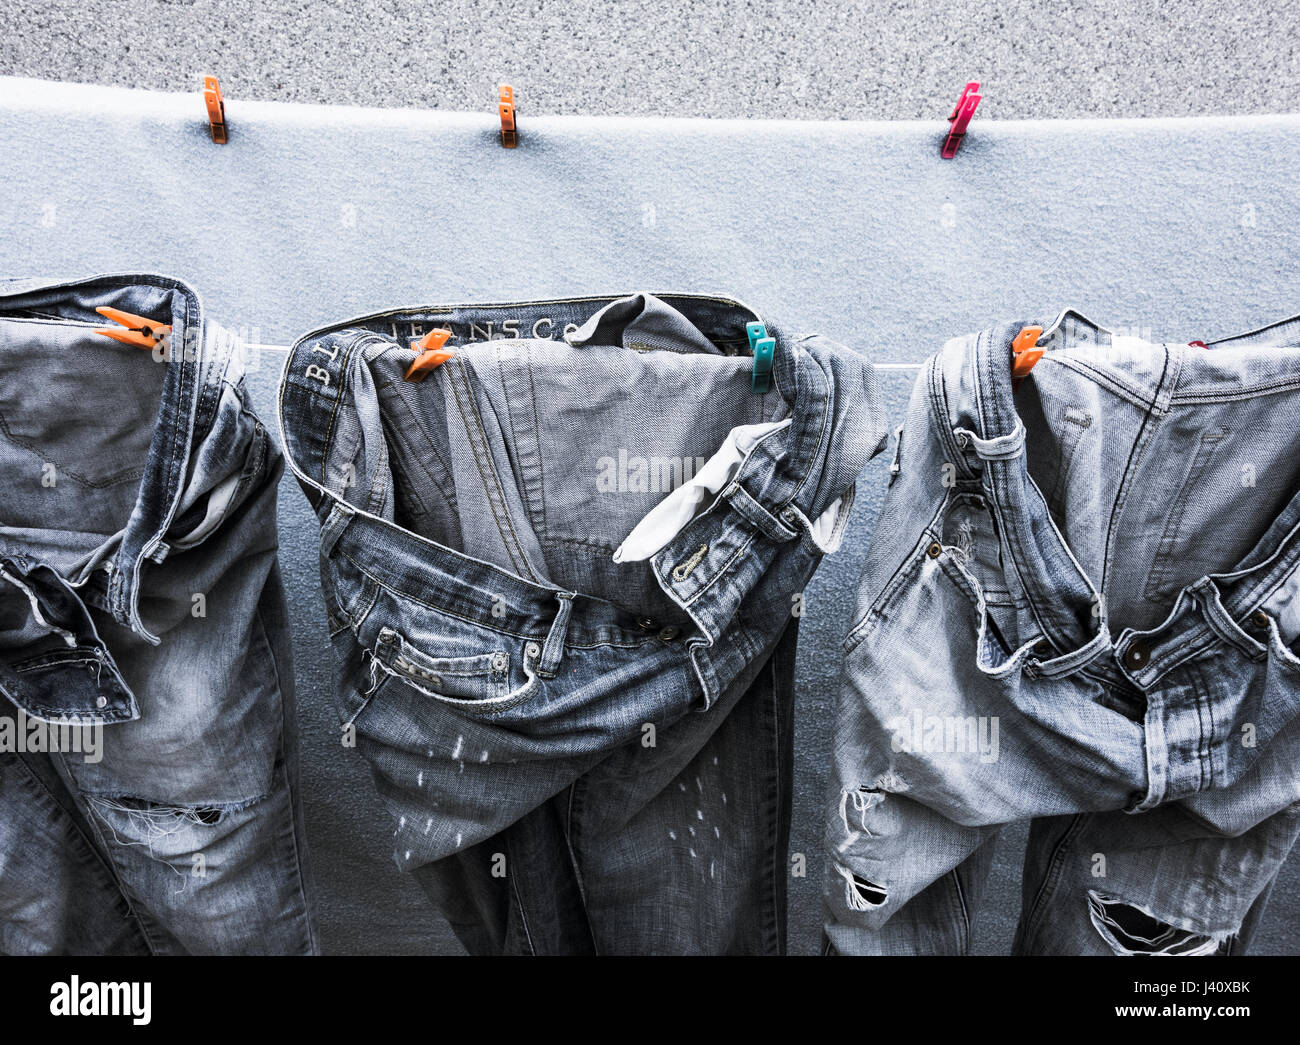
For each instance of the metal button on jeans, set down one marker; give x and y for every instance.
(935, 550)
(668, 634)
(1137, 655)
(1259, 618)
(646, 624)
(532, 651)
(499, 662)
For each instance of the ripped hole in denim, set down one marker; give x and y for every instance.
(859, 894)
(1131, 930)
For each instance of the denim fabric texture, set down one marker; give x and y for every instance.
(1079, 608)
(563, 576)
(140, 602)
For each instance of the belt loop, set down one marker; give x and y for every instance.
(1002, 448)
(553, 648)
(895, 465)
(335, 523)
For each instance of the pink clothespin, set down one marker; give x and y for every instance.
(961, 114)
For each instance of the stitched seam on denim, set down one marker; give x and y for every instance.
(58, 713)
(374, 499)
(484, 708)
(76, 653)
(1075, 430)
(1270, 580)
(1145, 434)
(1123, 690)
(569, 827)
(1160, 566)
(1255, 391)
(876, 611)
(960, 894)
(488, 486)
(537, 515)
(180, 435)
(117, 478)
(412, 418)
(987, 406)
(579, 542)
(1052, 873)
(821, 403)
(722, 570)
(328, 435)
(965, 581)
(1182, 652)
(523, 913)
(367, 697)
(1109, 381)
(359, 618)
(401, 594)
(379, 485)
(1205, 697)
(282, 762)
(483, 462)
(940, 423)
(257, 451)
(49, 662)
(100, 856)
(205, 407)
(776, 908)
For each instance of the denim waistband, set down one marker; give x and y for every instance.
(970, 387)
(787, 479)
(198, 361)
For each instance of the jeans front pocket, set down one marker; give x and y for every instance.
(475, 684)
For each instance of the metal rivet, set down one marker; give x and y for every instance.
(1137, 655)
(935, 550)
(1259, 618)
(533, 651)
(499, 661)
(646, 624)
(669, 633)
(102, 702)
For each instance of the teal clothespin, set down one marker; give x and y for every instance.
(764, 349)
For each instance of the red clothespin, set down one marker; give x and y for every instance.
(961, 114)
(1024, 354)
(216, 106)
(506, 108)
(140, 332)
(432, 355)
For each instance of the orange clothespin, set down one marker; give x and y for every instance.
(432, 355)
(216, 109)
(1024, 354)
(506, 108)
(138, 331)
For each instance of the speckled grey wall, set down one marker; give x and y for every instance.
(1173, 229)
